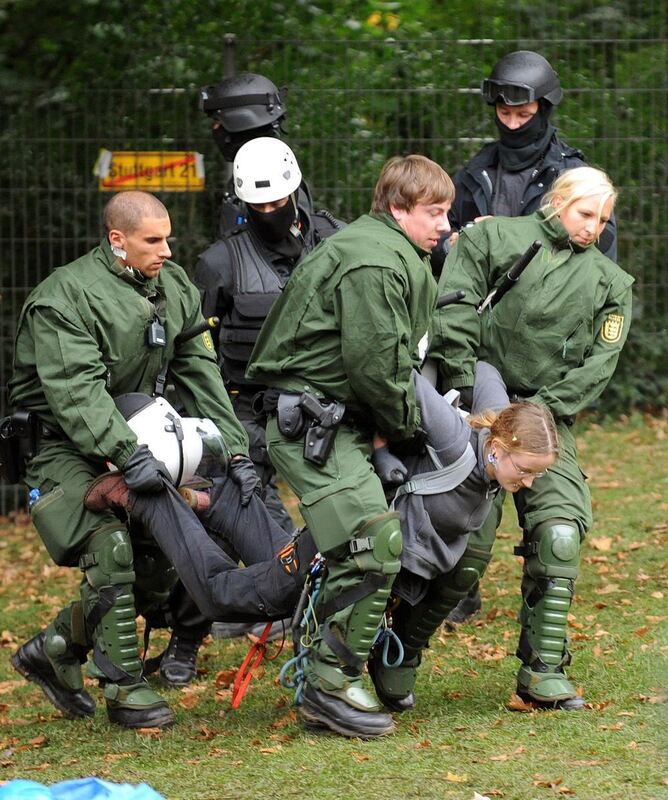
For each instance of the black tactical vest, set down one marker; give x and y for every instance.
(256, 286)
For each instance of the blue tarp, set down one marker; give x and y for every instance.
(80, 789)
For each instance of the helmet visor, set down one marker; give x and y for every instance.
(512, 94)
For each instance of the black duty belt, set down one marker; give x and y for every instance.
(351, 416)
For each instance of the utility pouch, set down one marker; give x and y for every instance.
(19, 442)
(290, 417)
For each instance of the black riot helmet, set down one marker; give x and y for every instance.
(522, 77)
(243, 103)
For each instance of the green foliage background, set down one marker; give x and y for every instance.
(366, 80)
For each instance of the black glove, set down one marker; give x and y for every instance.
(465, 397)
(144, 473)
(242, 472)
(389, 468)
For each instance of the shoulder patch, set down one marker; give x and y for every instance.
(611, 330)
(208, 341)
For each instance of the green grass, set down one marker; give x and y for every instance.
(461, 739)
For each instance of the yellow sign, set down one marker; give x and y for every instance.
(150, 170)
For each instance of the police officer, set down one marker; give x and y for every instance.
(338, 347)
(105, 325)
(510, 176)
(239, 278)
(242, 274)
(241, 108)
(555, 337)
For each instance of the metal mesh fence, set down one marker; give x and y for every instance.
(346, 117)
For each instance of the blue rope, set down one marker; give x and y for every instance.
(385, 637)
(308, 628)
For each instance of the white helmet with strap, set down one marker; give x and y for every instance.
(265, 170)
(179, 442)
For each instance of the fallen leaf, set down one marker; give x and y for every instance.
(189, 701)
(205, 734)
(450, 776)
(224, 678)
(657, 699)
(517, 704)
(603, 543)
(218, 751)
(150, 733)
(609, 588)
(288, 719)
(360, 758)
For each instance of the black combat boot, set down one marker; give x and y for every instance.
(321, 710)
(32, 662)
(178, 663)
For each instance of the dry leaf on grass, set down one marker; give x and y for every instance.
(205, 734)
(517, 704)
(150, 733)
(189, 701)
(224, 678)
(609, 588)
(453, 778)
(288, 719)
(601, 543)
(556, 785)
(656, 699)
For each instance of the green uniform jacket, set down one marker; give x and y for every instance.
(82, 341)
(349, 322)
(556, 335)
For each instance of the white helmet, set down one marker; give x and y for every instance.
(179, 442)
(265, 170)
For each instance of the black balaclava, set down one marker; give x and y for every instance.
(229, 143)
(524, 146)
(275, 228)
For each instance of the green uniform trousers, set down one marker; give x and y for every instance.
(64, 524)
(337, 501)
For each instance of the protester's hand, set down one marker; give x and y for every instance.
(143, 472)
(242, 472)
(389, 468)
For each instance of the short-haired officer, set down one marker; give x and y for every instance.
(104, 325)
(337, 349)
